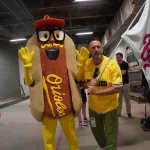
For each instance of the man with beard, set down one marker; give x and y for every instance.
(103, 93)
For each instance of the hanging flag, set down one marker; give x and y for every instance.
(138, 38)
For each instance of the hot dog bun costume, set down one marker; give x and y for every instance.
(50, 68)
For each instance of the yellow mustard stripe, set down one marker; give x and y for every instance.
(50, 45)
(47, 95)
(54, 44)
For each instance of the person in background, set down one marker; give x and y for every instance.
(103, 92)
(84, 100)
(125, 90)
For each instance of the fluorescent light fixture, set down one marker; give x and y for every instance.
(83, 0)
(80, 0)
(84, 33)
(16, 40)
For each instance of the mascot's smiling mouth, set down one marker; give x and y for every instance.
(52, 53)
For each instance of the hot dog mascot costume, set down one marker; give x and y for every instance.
(50, 66)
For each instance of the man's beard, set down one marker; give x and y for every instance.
(97, 56)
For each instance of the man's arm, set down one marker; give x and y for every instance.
(92, 82)
(123, 72)
(108, 91)
(85, 85)
(124, 69)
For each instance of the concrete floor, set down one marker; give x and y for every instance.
(19, 131)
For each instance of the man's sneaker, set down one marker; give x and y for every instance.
(85, 123)
(80, 123)
(86, 120)
(129, 116)
(146, 125)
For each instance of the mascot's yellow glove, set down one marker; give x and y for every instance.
(82, 58)
(26, 58)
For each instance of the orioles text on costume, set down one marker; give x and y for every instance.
(57, 96)
(102, 83)
(52, 45)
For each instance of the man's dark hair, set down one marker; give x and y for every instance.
(120, 54)
(94, 39)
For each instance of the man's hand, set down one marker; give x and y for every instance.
(91, 86)
(82, 56)
(26, 56)
(91, 90)
(93, 82)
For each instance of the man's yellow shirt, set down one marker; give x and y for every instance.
(111, 76)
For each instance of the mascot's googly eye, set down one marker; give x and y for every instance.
(43, 36)
(59, 35)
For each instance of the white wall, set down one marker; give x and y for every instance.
(9, 72)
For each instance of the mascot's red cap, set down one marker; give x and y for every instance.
(48, 21)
